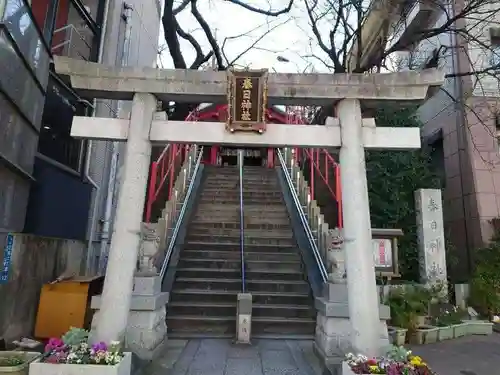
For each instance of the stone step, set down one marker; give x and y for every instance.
(246, 192)
(283, 326)
(235, 197)
(235, 169)
(248, 219)
(235, 274)
(235, 186)
(229, 309)
(221, 296)
(233, 255)
(264, 285)
(272, 234)
(235, 240)
(179, 324)
(205, 326)
(250, 209)
(251, 221)
(225, 179)
(257, 265)
(236, 200)
(249, 224)
(235, 247)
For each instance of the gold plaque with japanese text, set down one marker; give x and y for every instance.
(247, 100)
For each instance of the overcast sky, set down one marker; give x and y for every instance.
(290, 36)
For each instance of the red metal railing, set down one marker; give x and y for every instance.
(317, 158)
(163, 170)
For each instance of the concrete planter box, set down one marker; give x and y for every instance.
(424, 335)
(122, 368)
(446, 333)
(479, 327)
(22, 369)
(460, 330)
(397, 336)
(422, 320)
(496, 326)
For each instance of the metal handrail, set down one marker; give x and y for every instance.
(72, 28)
(173, 239)
(242, 226)
(303, 218)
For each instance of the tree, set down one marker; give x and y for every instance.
(393, 177)
(340, 40)
(173, 32)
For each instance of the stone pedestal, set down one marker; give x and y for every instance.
(146, 332)
(334, 332)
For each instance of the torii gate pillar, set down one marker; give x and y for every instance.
(119, 281)
(360, 268)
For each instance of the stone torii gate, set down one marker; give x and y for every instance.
(349, 132)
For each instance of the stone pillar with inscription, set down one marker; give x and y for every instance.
(432, 252)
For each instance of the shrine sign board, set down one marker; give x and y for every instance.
(385, 251)
(247, 100)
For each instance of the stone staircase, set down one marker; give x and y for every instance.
(208, 277)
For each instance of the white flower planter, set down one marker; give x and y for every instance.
(21, 369)
(122, 368)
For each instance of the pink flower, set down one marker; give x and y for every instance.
(54, 344)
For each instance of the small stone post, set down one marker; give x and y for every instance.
(244, 318)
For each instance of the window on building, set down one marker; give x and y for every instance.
(497, 129)
(39, 9)
(55, 140)
(495, 47)
(73, 33)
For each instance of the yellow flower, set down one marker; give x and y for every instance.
(416, 361)
(374, 369)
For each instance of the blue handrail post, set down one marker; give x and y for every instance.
(242, 229)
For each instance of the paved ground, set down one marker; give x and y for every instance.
(221, 357)
(473, 355)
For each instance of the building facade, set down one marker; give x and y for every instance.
(51, 184)
(461, 121)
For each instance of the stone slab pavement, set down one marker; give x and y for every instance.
(473, 355)
(222, 357)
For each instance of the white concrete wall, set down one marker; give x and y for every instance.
(145, 26)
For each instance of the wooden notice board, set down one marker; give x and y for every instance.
(66, 304)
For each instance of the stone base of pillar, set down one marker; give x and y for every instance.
(146, 333)
(243, 318)
(334, 329)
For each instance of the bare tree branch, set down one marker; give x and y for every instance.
(269, 12)
(208, 32)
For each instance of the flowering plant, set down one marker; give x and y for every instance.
(78, 351)
(398, 361)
